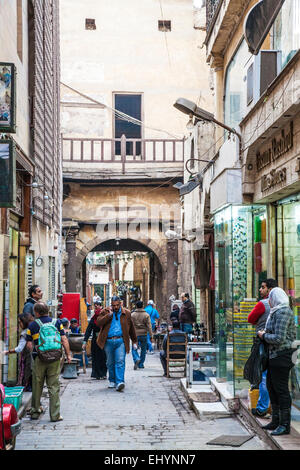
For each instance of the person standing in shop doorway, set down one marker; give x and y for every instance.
(154, 315)
(187, 314)
(35, 295)
(258, 317)
(279, 334)
(116, 329)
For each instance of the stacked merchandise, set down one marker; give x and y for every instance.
(243, 336)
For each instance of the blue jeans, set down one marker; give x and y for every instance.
(115, 359)
(149, 344)
(263, 400)
(142, 342)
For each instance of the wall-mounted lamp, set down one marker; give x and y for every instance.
(186, 188)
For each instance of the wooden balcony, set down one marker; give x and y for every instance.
(122, 156)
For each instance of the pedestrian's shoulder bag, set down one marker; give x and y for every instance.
(49, 342)
(253, 366)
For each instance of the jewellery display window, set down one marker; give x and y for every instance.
(240, 265)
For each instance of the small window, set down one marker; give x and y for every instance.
(90, 23)
(164, 26)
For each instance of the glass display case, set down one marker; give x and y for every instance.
(201, 363)
(240, 265)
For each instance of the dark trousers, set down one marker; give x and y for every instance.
(278, 380)
(99, 368)
(163, 360)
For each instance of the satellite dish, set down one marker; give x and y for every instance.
(259, 22)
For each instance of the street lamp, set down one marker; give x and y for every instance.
(193, 182)
(188, 107)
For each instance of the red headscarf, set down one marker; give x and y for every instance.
(96, 314)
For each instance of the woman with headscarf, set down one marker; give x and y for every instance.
(279, 334)
(99, 369)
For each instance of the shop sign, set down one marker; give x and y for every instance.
(277, 148)
(7, 97)
(7, 173)
(275, 178)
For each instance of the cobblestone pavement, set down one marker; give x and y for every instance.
(150, 414)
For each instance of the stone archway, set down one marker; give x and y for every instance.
(81, 240)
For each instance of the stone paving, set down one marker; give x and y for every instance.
(150, 414)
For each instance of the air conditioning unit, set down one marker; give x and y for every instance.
(260, 74)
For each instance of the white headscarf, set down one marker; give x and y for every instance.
(278, 299)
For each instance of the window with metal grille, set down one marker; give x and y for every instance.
(30, 270)
(164, 25)
(90, 23)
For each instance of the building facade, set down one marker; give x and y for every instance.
(253, 178)
(121, 173)
(30, 224)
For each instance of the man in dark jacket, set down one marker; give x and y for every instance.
(187, 314)
(35, 295)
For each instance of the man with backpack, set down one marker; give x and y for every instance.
(45, 337)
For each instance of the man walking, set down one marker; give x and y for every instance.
(258, 317)
(35, 295)
(116, 329)
(142, 324)
(154, 315)
(187, 314)
(46, 370)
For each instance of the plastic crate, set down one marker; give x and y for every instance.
(13, 396)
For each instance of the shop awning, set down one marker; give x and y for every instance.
(259, 22)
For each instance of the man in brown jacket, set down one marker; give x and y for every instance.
(116, 327)
(142, 323)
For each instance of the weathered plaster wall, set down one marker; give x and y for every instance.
(127, 53)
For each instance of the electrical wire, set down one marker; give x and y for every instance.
(120, 114)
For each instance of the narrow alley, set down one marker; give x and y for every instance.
(151, 414)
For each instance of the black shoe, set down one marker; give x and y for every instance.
(281, 430)
(285, 422)
(258, 413)
(275, 419)
(136, 364)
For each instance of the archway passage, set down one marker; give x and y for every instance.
(123, 267)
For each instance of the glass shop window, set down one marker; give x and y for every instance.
(235, 99)
(260, 250)
(288, 255)
(286, 31)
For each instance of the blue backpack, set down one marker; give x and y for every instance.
(49, 342)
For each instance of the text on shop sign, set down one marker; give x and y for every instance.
(277, 148)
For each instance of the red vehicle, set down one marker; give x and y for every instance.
(10, 425)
